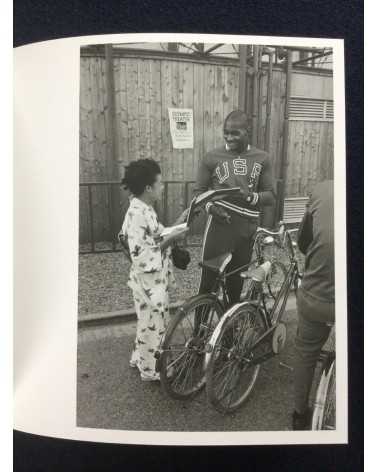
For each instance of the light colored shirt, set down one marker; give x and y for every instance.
(142, 228)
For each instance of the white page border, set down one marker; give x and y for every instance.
(46, 223)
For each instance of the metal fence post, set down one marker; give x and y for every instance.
(165, 204)
(91, 217)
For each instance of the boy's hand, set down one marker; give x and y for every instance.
(179, 233)
(182, 218)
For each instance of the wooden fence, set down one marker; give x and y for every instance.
(145, 87)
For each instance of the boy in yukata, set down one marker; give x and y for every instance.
(151, 270)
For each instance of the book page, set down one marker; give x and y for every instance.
(75, 321)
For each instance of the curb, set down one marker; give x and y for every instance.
(120, 316)
(126, 316)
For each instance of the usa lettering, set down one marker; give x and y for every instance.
(239, 167)
(256, 170)
(222, 172)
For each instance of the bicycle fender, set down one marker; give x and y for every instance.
(211, 343)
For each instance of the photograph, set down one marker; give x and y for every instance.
(206, 265)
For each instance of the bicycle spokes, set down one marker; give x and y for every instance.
(232, 369)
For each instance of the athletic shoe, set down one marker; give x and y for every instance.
(150, 378)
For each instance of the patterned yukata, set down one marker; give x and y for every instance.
(151, 274)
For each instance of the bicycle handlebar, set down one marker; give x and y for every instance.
(280, 232)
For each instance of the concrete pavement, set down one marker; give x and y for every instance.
(111, 395)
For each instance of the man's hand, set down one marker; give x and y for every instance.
(251, 197)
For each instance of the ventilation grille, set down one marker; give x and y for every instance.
(310, 109)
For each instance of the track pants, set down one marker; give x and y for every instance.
(220, 238)
(312, 334)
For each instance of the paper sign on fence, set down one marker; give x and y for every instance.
(181, 125)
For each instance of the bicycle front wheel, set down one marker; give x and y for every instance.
(183, 347)
(324, 415)
(231, 373)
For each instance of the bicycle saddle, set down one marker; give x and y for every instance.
(217, 264)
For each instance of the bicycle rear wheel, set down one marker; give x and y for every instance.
(231, 373)
(324, 415)
(181, 362)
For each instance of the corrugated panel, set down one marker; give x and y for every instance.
(329, 109)
(294, 209)
(310, 109)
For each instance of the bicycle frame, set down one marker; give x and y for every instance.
(276, 315)
(272, 320)
(220, 286)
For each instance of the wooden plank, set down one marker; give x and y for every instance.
(180, 104)
(227, 98)
(166, 136)
(118, 116)
(277, 119)
(209, 85)
(198, 97)
(311, 158)
(218, 106)
(123, 108)
(133, 110)
(112, 151)
(236, 88)
(262, 111)
(144, 79)
(102, 128)
(112, 120)
(156, 111)
(177, 154)
(187, 100)
(86, 129)
(91, 175)
(101, 202)
(330, 151)
(93, 159)
(242, 77)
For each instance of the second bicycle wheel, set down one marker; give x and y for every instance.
(231, 373)
(183, 347)
(324, 415)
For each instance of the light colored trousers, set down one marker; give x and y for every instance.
(152, 309)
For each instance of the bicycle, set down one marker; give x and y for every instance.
(180, 359)
(324, 408)
(247, 335)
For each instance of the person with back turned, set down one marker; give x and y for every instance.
(316, 295)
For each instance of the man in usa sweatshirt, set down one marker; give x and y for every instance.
(236, 164)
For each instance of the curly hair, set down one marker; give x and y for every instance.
(139, 174)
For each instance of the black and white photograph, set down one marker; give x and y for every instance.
(206, 265)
